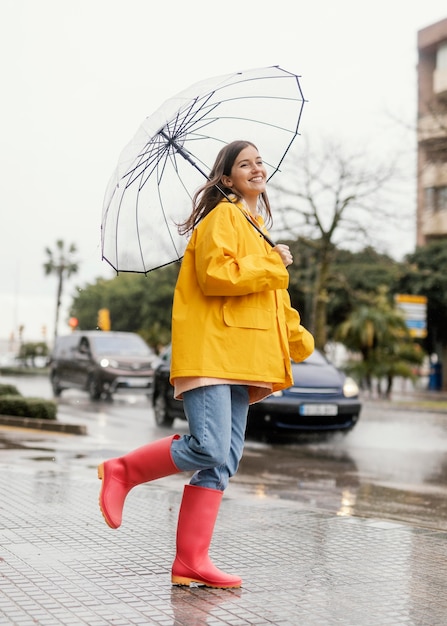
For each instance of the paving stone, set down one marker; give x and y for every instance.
(61, 565)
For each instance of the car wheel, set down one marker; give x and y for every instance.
(94, 389)
(161, 412)
(57, 389)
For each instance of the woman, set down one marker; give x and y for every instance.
(233, 334)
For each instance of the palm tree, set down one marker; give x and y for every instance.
(61, 263)
(379, 333)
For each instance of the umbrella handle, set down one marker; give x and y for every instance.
(266, 237)
(186, 155)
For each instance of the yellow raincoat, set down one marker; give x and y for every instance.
(232, 316)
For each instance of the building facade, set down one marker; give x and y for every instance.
(432, 133)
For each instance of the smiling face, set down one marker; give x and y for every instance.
(248, 175)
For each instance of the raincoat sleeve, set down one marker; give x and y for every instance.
(233, 261)
(301, 342)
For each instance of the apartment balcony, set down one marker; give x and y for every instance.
(434, 224)
(440, 83)
(434, 174)
(432, 129)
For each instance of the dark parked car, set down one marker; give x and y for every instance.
(166, 409)
(102, 363)
(322, 399)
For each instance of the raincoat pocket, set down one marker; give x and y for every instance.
(247, 317)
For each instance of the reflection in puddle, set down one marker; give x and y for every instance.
(13, 443)
(203, 605)
(347, 504)
(260, 491)
(392, 465)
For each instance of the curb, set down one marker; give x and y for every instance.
(42, 424)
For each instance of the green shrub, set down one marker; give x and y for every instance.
(18, 406)
(9, 390)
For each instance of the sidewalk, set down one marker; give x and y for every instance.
(61, 565)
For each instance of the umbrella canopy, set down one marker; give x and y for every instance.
(175, 148)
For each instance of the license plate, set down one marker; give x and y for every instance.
(318, 409)
(136, 382)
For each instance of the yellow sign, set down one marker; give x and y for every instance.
(410, 299)
(104, 319)
(414, 309)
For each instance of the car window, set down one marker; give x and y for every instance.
(316, 358)
(64, 347)
(84, 346)
(166, 354)
(131, 345)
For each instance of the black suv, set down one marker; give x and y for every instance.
(166, 408)
(102, 363)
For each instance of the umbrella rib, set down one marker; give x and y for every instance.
(210, 120)
(159, 176)
(205, 121)
(159, 165)
(164, 213)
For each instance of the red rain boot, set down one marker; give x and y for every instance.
(119, 475)
(192, 564)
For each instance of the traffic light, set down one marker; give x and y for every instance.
(73, 323)
(104, 319)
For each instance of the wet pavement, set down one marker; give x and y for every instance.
(301, 565)
(60, 563)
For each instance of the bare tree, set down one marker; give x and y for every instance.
(61, 263)
(334, 198)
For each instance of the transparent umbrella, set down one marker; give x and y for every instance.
(172, 152)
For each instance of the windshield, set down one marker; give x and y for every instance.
(316, 358)
(131, 345)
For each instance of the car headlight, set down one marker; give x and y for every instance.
(108, 363)
(278, 394)
(350, 388)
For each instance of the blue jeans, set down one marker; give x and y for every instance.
(217, 418)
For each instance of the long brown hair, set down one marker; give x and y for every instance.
(208, 196)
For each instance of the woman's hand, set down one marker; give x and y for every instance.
(284, 253)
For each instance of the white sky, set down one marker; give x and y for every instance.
(78, 78)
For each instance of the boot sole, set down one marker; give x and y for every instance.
(186, 582)
(101, 477)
